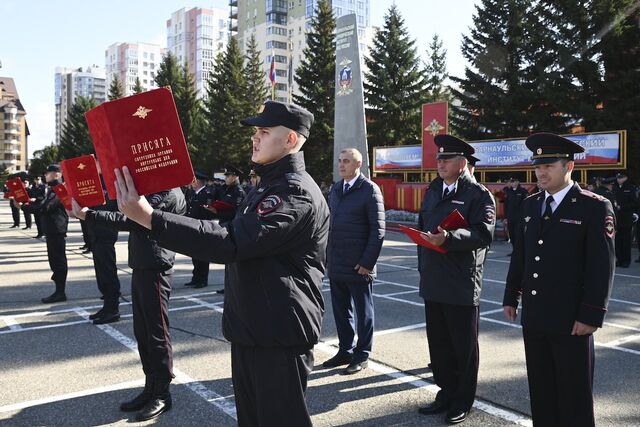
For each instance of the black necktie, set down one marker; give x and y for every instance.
(346, 187)
(446, 192)
(548, 211)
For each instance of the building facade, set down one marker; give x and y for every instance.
(13, 128)
(195, 37)
(133, 60)
(279, 27)
(70, 83)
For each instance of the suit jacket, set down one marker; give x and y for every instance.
(563, 271)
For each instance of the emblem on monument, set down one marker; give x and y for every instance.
(434, 127)
(345, 79)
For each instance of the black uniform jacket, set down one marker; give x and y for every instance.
(232, 194)
(55, 220)
(103, 233)
(513, 202)
(456, 277)
(144, 252)
(196, 201)
(274, 251)
(563, 273)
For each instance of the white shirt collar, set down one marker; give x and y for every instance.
(353, 180)
(558, 197)
(452, 187)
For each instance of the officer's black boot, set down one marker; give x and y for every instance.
(159, 403)
(140, 400)
(109, 312)
(57, 296)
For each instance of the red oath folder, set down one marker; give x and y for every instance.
(63, 195)
(82, 180)
(453, 221)
(143, 133)
(220, 205)
(18, 190)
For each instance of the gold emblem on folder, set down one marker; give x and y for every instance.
(142, 112)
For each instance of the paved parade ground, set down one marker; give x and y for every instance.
(59, 369)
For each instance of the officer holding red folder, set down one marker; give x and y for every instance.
(450, 282)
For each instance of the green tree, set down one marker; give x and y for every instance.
(257, 90)
(138, 87)
(316, 81)
(169, 73)
(75, 140)
(187, 103)
(436, 71)
(394, 88)
(42, 159)
(116, 91)
(224, 107)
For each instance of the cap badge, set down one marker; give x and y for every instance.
(441, 149)
(539, 151)
(527, 218)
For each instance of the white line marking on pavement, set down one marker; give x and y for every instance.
(393, 294)
(622, 340)
(11, 323)
(74, 395)
(432, 388)
(219, 401)
(202, 303)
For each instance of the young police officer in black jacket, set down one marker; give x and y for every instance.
(150, 289)
(562, 269)
(54, 224)
(274, 251)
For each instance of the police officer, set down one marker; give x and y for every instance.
(514, 195)
(231, 193)
(450, 282)
(471, 164)
(37, 193)
(28, 218)
(626, 206)
(603, 188)
(55, 222)
(198, 198)
(151, 280)
(274, 251)
(562, 270)
(103, 243)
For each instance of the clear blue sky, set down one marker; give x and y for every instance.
(39, 35)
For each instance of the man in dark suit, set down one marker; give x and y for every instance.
(198, 198)
(357, 217)
(562, 270)
(450, 282)
(626, 206)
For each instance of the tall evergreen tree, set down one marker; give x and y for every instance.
(116, 91)
(494, 98)
(257, 90)
(43, 158)
(138, 87)
(187, 103)
(75, 140)
(224, 107)
(169, 73)
(316, 80)
(436, 71)
(394, 88)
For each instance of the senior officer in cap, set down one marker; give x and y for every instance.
(55, 222)
(197, 199)
(274, 251)
(562, 271)
(450, 283)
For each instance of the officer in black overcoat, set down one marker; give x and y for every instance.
(561, 271)
(626, 205)
(450, 282)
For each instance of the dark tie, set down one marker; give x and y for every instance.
(446, 192)
(346, 187)
(548, 211)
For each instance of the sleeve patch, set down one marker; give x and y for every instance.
(609, 227)
(269, 204)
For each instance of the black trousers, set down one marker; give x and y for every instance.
(57, 254)
(270, 384)
(86, 237)
(560, 372)
(200, 271)
(15, 214)
(150, 290)
(452, 331)
(38, 220)
(511, 228)
(104, 263)
(28, 219)
(623, 245)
